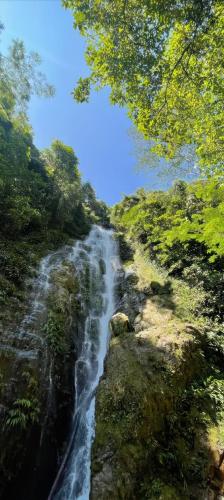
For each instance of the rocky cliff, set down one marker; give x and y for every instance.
(159, 430)
(154, 419)
(41, 328)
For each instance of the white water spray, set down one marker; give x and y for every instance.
(96, 261)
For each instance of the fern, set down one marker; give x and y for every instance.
(25, 412)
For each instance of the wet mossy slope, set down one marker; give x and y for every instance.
(155, 404)
(36, 366)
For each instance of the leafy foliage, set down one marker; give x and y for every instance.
(21, 78)
(37, 190)
(23, 413)
(205, 225)
(164, 61)
(182, 229)
(54, 329)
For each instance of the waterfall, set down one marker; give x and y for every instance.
(96, 261)
(26, 342)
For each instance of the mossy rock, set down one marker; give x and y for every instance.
(119, 324)
(131, 278)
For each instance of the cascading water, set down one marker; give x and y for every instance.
(26, 341)
(96, 261)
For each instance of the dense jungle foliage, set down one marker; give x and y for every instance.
(177, 239)
(43, 201)
(182, 230)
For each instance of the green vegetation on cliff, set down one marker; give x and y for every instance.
(182, 230)
(160, 406)
(43, 201)
(43, 205)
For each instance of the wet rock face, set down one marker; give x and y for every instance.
(103, 481)
(125, 250)
(129, 298)
(119, 324)
(37, 358)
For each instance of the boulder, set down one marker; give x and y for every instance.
(131, 277)
(119, 324)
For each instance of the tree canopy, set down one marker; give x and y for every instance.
(164, 61)
(20, 78)
(38, 190)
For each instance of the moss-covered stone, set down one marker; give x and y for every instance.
(119, 324)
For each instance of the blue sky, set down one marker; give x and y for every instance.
(97, 131)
